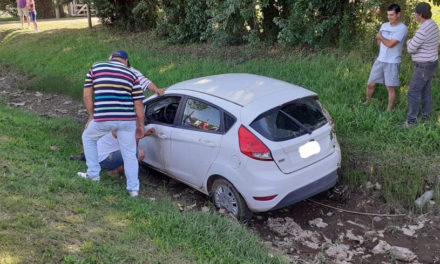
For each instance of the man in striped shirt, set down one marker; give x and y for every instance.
(423, 48)
(117, 105)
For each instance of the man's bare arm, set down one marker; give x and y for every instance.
(88, 102)
(155, 89)
(387, 42)
(140, 119)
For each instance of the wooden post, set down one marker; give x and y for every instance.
(89, 15)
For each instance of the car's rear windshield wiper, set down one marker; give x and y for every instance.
(294, 120)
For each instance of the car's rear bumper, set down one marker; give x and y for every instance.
(264, 179)
(309, 190)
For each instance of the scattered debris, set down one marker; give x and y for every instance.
(152, 199)
(399, 253)
(381, 248)
(318, 223)
(410, 230)
(63, 111)
(349, 234)
(374, 234)
(378, 186)
(205, 209)
(339, 223)
(356, 224)
(38, 94)
(189, 207)
(421, 201)
(377, 219)
(402, 254)
(54, 148)
(340, 252)
(286, 226)
(18, 104)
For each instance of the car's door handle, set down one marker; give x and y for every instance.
(207, 142)
(162, 136)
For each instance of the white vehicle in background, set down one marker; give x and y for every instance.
(250, 142)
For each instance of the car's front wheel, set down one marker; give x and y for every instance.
(224, 195)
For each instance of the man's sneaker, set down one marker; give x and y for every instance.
(133, 193)
(36, 31)
(425, 118)
(409, 124)
(85, 176)
(78, 157)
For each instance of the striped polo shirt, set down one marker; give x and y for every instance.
(423, 47)
(115, 88)
(143, 81)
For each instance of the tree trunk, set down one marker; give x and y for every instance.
(89, 15)
(57, 9)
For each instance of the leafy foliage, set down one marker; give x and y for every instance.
(234, 22)
(129, 15)
(316, 22)
(182, 20)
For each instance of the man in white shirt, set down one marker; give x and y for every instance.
(386, 68)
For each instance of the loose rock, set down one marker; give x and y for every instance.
(318, 223)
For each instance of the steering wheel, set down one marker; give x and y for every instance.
(167, 113)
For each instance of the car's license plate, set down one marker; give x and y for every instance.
(309, 149)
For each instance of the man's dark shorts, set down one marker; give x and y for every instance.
(113, 161)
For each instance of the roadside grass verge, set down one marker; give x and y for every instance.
(49, 215)
(404, 162)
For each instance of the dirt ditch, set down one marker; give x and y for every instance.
(337, 226)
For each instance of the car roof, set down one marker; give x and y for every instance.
(243, 88)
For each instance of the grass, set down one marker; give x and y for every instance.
(49, 215)
(374, 148)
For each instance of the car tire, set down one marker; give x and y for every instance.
(224, 195)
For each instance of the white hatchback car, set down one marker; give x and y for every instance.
(252, 143)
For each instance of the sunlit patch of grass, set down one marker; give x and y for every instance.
(7, 258)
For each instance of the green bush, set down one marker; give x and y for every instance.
(234, 22)
(133, 15)
(182, 21)
(317, 22)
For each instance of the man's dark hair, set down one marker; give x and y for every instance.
(394, 7)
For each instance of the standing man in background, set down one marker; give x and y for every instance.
(22, 12)
(113, 99)
(423, 48)
(386, 68)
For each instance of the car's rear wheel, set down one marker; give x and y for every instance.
(224, 195)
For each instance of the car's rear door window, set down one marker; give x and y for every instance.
(200, 115)
(291, 120)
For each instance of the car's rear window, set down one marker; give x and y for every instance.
(291, 120)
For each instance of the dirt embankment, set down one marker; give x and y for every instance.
(334, 227)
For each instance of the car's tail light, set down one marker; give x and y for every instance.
(251, 146)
